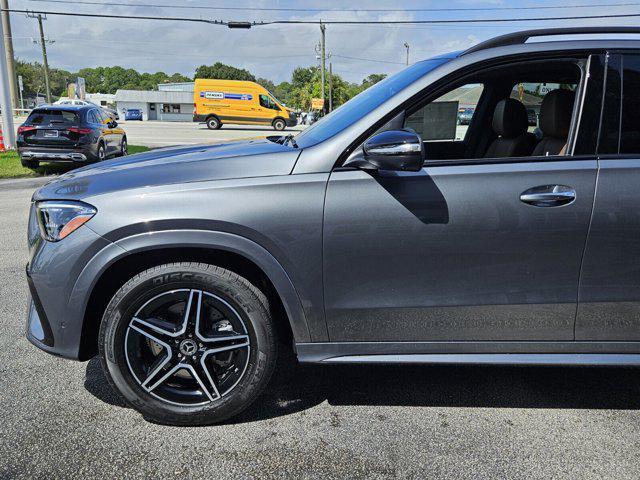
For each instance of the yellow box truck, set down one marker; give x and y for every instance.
(217, 102)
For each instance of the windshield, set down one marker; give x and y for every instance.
(275, 99)
(364, 103)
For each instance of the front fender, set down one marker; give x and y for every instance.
(201, 239)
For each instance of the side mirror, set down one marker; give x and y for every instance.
(112, 124)
(395, 150)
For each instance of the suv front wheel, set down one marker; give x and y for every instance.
(188, 343)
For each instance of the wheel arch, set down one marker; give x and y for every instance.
(110, 269)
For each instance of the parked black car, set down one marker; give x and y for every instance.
(71, 134)
(465, 115)
(360, 240)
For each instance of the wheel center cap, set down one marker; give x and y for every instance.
(188, 347)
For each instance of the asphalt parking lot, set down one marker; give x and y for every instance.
(161, 134)
(60, 418)
(156, 134)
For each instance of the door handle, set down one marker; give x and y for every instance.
(548, 196)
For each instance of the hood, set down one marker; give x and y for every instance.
(240, 159)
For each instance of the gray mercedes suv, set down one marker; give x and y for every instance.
(386, 232)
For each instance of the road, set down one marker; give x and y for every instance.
(161, 134)
(156, 134)
(60, 418)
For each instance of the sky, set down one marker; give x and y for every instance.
(274, 51)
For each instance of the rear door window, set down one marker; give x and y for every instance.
(103, 118)
(618, 131)
(630, 126)
(52, 117)
(94, 117)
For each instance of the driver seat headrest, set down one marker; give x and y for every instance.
(509, 118)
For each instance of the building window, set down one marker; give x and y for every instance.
(171, 108)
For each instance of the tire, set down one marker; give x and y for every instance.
(131, 366)
(31, 164)
(279, 124)
(123, 147)
(101, 153)
(213, 123)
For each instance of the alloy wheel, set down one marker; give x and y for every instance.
(187, 347)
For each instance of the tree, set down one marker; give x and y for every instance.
(268, 84)
(223, 72)
(306, 83)
(373, 79)
(33, 78)
(283, 92)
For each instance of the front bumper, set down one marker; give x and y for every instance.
(292, 121)
(57, 304)
(38, 329)
(52, 154)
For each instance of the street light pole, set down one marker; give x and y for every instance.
(8, 133)
(406, 45)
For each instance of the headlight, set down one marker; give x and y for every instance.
(58, 219)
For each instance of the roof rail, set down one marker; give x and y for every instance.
(517, 38)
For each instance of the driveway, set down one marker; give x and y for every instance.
(60, 418)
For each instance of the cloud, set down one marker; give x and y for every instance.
(267, 51)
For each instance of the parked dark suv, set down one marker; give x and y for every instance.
(70, 134)
(376, 235)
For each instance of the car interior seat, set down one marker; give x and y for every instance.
(510, 123)
(555, 120)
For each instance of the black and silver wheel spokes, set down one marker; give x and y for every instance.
(187, 347)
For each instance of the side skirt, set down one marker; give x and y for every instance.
(491, 353)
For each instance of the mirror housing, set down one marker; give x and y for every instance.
(396, 150)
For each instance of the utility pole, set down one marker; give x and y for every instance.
(8, 47)
(406, 45)
(44, 55)
(8, 132)
(322, 59)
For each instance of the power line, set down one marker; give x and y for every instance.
(198, 55)
(368, 59)
(245, 24)
(447, 21)
(350, 10)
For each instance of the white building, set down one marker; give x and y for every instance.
(102, 99)
(167, 105)
(177, 87)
